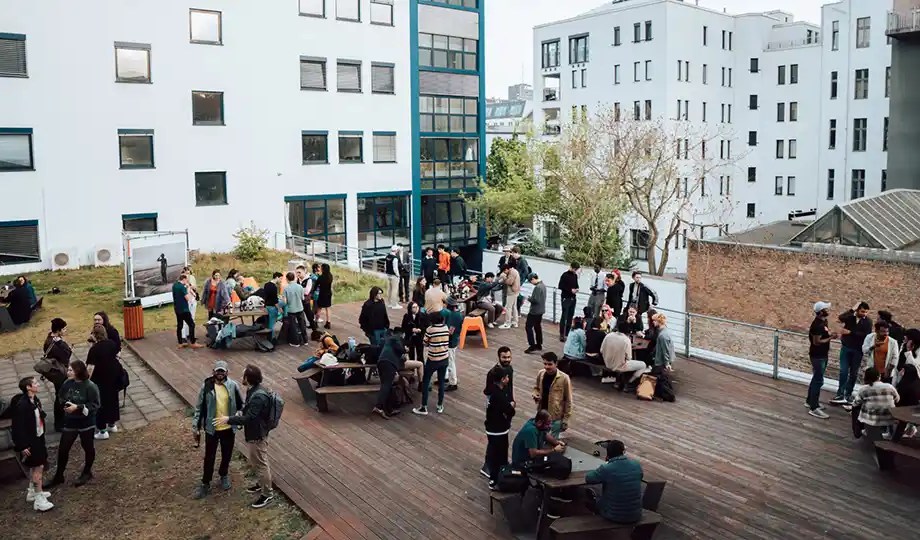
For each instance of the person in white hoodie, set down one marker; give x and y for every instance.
(881, 351)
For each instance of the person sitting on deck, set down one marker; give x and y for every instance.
(326, 345)
(20, 303)
(621, 481)
(875, 401)
(574, 348)
(534, 441)
(631, 322)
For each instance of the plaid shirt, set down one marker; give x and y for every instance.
(877, 401)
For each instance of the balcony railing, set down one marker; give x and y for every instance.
(793, 43)
(903, 23)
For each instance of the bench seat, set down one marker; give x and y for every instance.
(886, 450)
(348, 389)
(595, 526)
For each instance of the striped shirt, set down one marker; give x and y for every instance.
(437, 339)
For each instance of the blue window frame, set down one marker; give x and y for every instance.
(383, 220)
(19, 242)
(449, 163)
(139, 222)
(444, 114)
(446, 219)
(16, 149)
(318, 217)
(456, 4)
(448, 52)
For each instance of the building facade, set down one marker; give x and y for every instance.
(904, 32)
(356, 122)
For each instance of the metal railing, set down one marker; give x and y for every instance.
(903, 23)
(793, 43)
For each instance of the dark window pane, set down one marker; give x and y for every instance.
(315, 148)
(210, 188)
(207, 108)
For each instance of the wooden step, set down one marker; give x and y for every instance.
(348, 389)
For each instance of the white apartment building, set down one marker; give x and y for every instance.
(335, 120)
(757, 75)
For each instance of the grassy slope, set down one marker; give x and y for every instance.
(87, 290)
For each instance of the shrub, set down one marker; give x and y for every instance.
(251, 242)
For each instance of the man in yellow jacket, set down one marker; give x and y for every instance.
(553, 392)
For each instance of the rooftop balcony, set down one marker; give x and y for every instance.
(904, 25)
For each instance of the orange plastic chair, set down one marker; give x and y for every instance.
(473, 324)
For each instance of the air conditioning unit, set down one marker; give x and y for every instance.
(105, 255)
(63, 259)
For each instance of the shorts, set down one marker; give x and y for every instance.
(38, 454)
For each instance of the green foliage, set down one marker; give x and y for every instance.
(509, 195)
(533, 246)
(251, 242)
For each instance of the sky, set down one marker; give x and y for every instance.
(509, 30)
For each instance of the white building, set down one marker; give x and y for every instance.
(352, 121)
(762, 77)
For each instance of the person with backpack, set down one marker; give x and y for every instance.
(293, 303)
(389, 362)
(28, 432)
(219, 396)
(57, 353)
(259, 412)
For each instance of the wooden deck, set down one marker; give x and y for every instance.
(741, 456)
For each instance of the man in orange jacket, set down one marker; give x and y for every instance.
(443, 265)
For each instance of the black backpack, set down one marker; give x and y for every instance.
(511, 480)
(264, 345)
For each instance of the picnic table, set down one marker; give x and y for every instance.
(314, 383)
(252, 314)
(898, 445)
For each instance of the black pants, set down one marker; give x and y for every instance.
(225, 438)
(67, 440)
(387, 373)
(416, 349)
(404, 292)
(58, 408)
(568, 312)
(185, 318)
(300, 319)
(534, 329)
(496, 455)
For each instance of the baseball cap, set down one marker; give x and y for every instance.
(220, 365)
(821, 306)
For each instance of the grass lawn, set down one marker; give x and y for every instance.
(144, 481)
(88, 290)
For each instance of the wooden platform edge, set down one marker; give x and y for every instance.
(316, 533)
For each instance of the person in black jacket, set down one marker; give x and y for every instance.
(414, 324)
(20, 306)
(254, 419)
(640, 294)
(58, 353)
(373, 319)
(631, 322)
(504, 362)
(389, 363)
(103, 356)
(429, 266)
(895, 330)
(615, 289)
(499, 412)
(568, 291)
(101, 317)
(28, 433)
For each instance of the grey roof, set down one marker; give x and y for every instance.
(778, 233)
(892, 218)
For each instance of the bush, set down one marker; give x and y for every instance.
(251, 242)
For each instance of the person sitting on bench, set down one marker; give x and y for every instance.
(533, 441)
(630, 323)
(617, 353)
(875, 401)
(594, 337)
(485, 300)
(574, 348)
(20, 304)
(621, 481)
(326, 345)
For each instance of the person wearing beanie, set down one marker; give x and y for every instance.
(58, 352)
(219, 396)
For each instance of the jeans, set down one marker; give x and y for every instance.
(66, 443)
(850, 362)
(375, 337)
(307, 364)
(440, 367)
(496, 455)
(225, 439)
(183, 319)
(534, 328)
(258, 456)
(818, 365)
(300, 319)
(387, 373)
(636, 367)
(568, 312)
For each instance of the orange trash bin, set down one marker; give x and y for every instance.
(134, 318)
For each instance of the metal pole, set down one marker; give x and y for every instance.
(554, 306)
(776, 354)
(687, 335)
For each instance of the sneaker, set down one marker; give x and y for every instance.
(101, 436)
(493, 485)
(504, 326)
(910, 432)
(182, 345)
(42, 504)
(847, 407)
(530, 350)
(381, 412)
(421, 411)
(225, 483)
(202, 491)
(491, 325)
(113, 429)
(838, 401)
(84, 478)
(327, 326)
(295, 345)
(31, 494)
(485, 473)
(451, 388)
(886, 435)
(440, 409)
(254, 489)
(608, 380)
(262, 501)
(562, 339)
(819, 413)
(515, 325)
(396, 306)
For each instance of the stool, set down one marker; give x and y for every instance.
(474, 324)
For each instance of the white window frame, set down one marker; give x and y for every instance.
(313, 13)
(356, 3)
(124, 46)
(384, 147)
(209, 13)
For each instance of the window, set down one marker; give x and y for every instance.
(687, 71)
(132, 62)
(139, 222)
(448, 114)
(729, 77)
(435, 50)
(790, 186)
(780, 148)
(383, 222)
(384, 147)
(351, 147)
(210, 188)
(730, 35)
(860, 126)
(751, 210)
(13, 55)
(884, 179)
(348, 10)
(313, 8)
(382, 12)
(616, 111)
(616, 36)
(314, 147)
(778, 186)
(752, 138)
(448, 219)
(833, 85)
(724, 36)
(725, 186)
(831, 173)
(780, 112)
(704, 111)
(885, 135)
(832, 134)
(835, 35)
(16, 150)
(578, 49)
(320, 218)
(752, 102)
(382, 78)
(207, 108)
(680, 70)
(451, 163)
(702, 148)
(862, 84)
(637, 33)
(312, 73)
(205, 27)
(638, 244)
(19, 242)
(888, 81)
(752, 174)
(755, 65)
(793, 111)
(584, 113)
(648, 30)
(781, 75)
(648, 70)
(635, 71)
(858, 184)
(703, 187)
(135, 148)
(574, 78)
(616, 74)
(637, 111)
(348, 76)
(550, 54)
(723, 76)
(705, 74)
(648, 109)
(862, 32)
(705, 36)
(793, 74)
(793, 149)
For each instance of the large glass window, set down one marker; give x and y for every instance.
(208, 108)
(447, 220)
(318, 219)
(448, 114)
(16, 149)
(578, 49)
(449, 163)
(210, 188)
(383, 222)
(863, 32)
(551, 54)
(435, 50)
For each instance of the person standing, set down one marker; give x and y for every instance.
(553, 392)
(499, 412)
(524, 271)
(414, 324)
(429, 267)
(568, 293)
(819, 346)
(512, 282)
(58, 353)
(895, 330)
(181, 299)
(163, 266)
(374, 319)
(880, 350)
(443, 265)
(296, 320)
(598, 290)
(458, 269)
(103, 356)
(454, 321)
(664, 345)
(393, 270)
(80, 397)
(219, 396)
(641, 294)
(504, 362)
(418, 293)
(435, 298)
(615, 289)
(389, 362)
(324, 295)
(215, 295)
(534, 323)
(405, 292)
(437, 339)
(28, 433)
(304, 280)
(192, 305)
(101, 317)
(270, 296)
(254, 419)
(856, 326)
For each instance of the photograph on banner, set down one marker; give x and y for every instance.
(156, 262)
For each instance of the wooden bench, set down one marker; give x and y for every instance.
(6, 322)
(885, 452)
(594, 526)
(315, 393)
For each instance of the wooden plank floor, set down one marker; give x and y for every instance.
(741, 456)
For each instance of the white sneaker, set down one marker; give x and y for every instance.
(41, 504)
(490, 325)
(421, 411)
(515, 325)
(819, 413)
(30, 494)
(504, 326)
(112, 429)
(396, 306)
(101, 436)
(608, 380)
(440, 409)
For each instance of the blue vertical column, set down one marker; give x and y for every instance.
(482, 110)
(416, 199)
